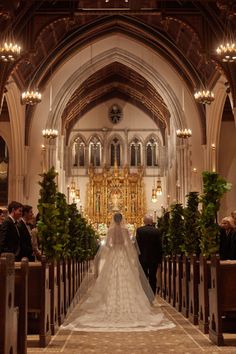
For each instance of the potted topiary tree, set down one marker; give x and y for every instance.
(47, 224)
(191, 225)
(214, 188)
(176, 232)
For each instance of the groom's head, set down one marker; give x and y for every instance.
(148, 220)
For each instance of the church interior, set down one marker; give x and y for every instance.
(98, 85)
(130, 101)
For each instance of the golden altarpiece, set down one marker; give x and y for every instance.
(115, 189)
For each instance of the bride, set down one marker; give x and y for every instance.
(120, 298)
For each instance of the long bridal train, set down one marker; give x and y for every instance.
(120, 297)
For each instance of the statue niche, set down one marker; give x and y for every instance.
(113, 190)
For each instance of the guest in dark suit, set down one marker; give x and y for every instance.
(9, 233)
(227, 239)
(149, 241)
(24, 227)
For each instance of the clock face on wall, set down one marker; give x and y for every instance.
(115, 114)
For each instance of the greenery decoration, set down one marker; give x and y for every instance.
(62, 224)
(176, 232)
(163, 227)
(83, 238)
(191, 224)
(214, 188)
(47, 224)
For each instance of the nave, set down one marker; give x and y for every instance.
(185, 338)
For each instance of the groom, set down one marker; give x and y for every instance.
(149, 242)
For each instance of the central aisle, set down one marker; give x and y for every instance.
(184, 338)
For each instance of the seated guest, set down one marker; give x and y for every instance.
(35, 239)
(25, 233)
(9, 233)
(227, 238)
(233, 214)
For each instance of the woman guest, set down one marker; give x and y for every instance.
(227, 238)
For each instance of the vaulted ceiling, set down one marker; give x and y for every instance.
(51, 30)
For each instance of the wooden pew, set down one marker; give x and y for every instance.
(168, 279)
(222, 299)
(163, 277)
(173, 281)
(185, 286)
(8, 313)
(39, 301)
(178, 282)
(53, 285)
(61, 303)
(70, 280)
(193, 289)
(203, 296)
(66, 286)
(21, 300)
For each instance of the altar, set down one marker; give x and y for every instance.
(115, 189)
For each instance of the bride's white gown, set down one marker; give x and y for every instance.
(119, 298)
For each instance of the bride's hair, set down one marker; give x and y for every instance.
(117, 218)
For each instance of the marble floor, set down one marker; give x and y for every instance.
(184, 338)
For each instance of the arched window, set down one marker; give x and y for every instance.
(95, 152)
(79, 152)
(151, 152)
(115, 152)
(135, 153)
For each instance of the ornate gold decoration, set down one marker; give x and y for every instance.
(115, 190)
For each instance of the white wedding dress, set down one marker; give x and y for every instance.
(119, 299)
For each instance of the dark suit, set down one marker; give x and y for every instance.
(149, 242)
(26, 249)
(9, 238)
(227, 244)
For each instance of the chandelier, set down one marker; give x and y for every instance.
(154, 195)
(184, 133)
(158, 187)
(227, 52)
(9, 49)
(204, 96)
(73, 192)
(31, 97)
(50, 133)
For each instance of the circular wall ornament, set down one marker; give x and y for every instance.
(115, 114)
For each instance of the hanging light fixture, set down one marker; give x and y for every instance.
(158, 187)
(72, 189)
(204, 96)
(226, 50)
(31, 97)
(50, 133)
(9, 49)
(184, 133)
(77, 195)
(154, 195)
